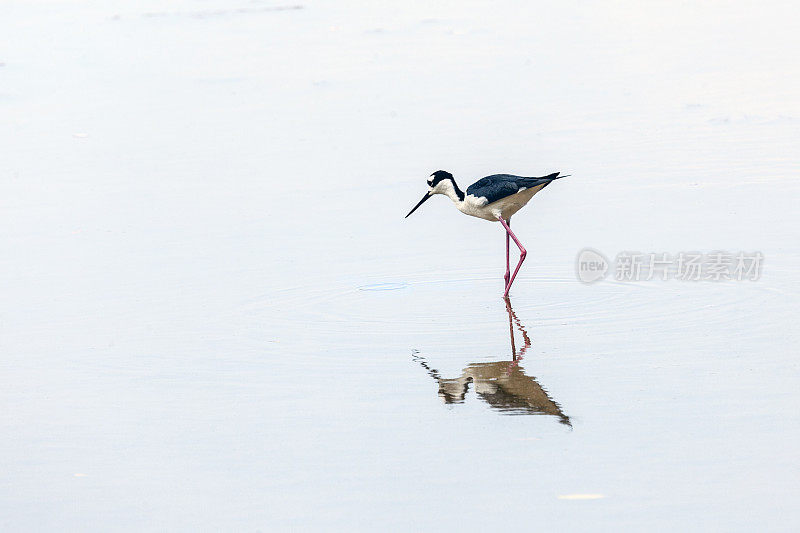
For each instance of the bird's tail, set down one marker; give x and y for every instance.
(544, 180)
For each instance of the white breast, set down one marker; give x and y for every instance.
(476, 207)
(505, 207)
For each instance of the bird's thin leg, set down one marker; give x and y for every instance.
(522, 254)
(508, 266)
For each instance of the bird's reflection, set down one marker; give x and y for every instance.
(502, 384)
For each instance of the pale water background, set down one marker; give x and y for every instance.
(214, 316)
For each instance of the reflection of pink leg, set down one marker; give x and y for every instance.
(522, 254)
(512, 318)
(508, 266)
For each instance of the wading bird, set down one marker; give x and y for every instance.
(494, 198)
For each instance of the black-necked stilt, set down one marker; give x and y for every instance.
(494, 198)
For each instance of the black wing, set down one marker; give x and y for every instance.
(498, 186)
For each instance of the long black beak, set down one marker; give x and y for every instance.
(427, 195)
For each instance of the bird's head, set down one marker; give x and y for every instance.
(440, 182)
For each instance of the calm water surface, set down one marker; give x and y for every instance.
(216, 318)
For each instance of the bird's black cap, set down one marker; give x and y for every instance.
(440, 175)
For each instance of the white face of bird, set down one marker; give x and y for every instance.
(444, 186)
(440, 182)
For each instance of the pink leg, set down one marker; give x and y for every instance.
(522, 254)
(508, 266)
